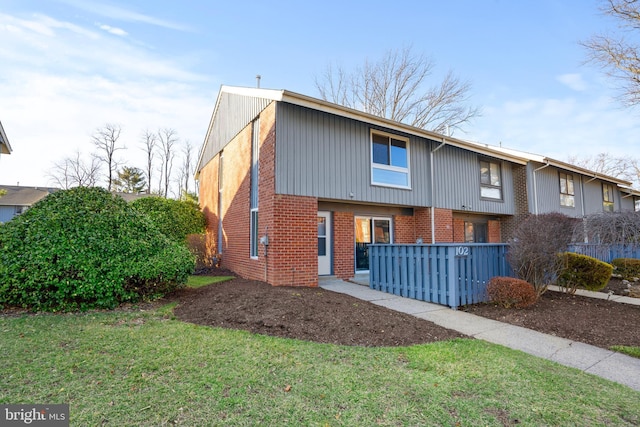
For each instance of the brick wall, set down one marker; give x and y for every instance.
(444, 225)
(422, 220)
(458, 230)
(404, 229)
(493, 232)
(343, 244)
(521, 202)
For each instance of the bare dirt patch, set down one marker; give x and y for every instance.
(312, 314)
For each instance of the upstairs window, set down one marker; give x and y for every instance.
(389, 160)
(567, 194)
(607, 197)
(490, 180)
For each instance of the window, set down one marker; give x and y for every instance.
(567, 194)
(607, 197)
(490, 180)
(475, 232)
(389, 160)
(255, 153)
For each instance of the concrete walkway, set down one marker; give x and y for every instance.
(594, 360)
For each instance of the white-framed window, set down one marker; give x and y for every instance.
(607, 197)
(255, 154)
(390, 160)
(567, 192)
(490, 179)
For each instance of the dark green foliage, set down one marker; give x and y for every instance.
(511, 292)
(585, 272)
(86, 248)
(628, 268)
(176, 219)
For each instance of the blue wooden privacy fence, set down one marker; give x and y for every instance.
(447, 274)
(606, 253)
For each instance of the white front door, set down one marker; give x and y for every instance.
(324, 243)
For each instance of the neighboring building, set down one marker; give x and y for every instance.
(19, 199)
(294, 187)
(5, 147)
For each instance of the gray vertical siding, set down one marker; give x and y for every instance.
(457, 183)
(327, 156)
(233, 113)
(588, 193)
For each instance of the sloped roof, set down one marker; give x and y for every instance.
(5, 147)
(558, 164)
(282, 95)
(23, 196)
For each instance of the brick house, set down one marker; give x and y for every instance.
(294, 187)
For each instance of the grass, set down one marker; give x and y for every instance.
(200, 281)
(628, 350)
(147, 369)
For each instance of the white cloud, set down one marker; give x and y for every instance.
(60, 82)
(573, 81)
(118, 13)
(113, 30)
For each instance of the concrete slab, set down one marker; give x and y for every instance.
(620, 368)
(356, 291)
(527, 340)
(580, 355)
(467, 323)
(601, 295)
(409, 306)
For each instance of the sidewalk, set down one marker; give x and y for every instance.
(593, 360)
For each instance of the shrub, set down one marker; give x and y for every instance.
(175, 218)
(511, 292)
(197, 244)
(86, 248)
(533, 251)
(585, 272)
(628, 268)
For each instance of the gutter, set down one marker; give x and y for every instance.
(433, 190)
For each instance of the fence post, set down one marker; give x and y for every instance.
(452, 277)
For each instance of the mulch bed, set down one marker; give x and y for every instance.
(311, 314)
(601, 323)
(319, 315)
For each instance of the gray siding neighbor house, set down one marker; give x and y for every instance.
(19, 199)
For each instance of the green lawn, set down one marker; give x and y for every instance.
(150, 369)
(629, 350)
(200, 281)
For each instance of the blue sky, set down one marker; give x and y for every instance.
(70, 66)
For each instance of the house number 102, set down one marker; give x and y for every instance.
(462, 250)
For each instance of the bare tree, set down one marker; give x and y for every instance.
(186, 168)
(395, 87)
(626, 168)
(614, 228)
(149, 144)
(168, 139)
(617, 55)
(533, 252)
(105, 140)
(75, 172)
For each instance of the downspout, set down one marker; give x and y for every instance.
(433, 190)
(535, 188)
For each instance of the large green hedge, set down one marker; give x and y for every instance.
(86, 248)
(175, 218)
